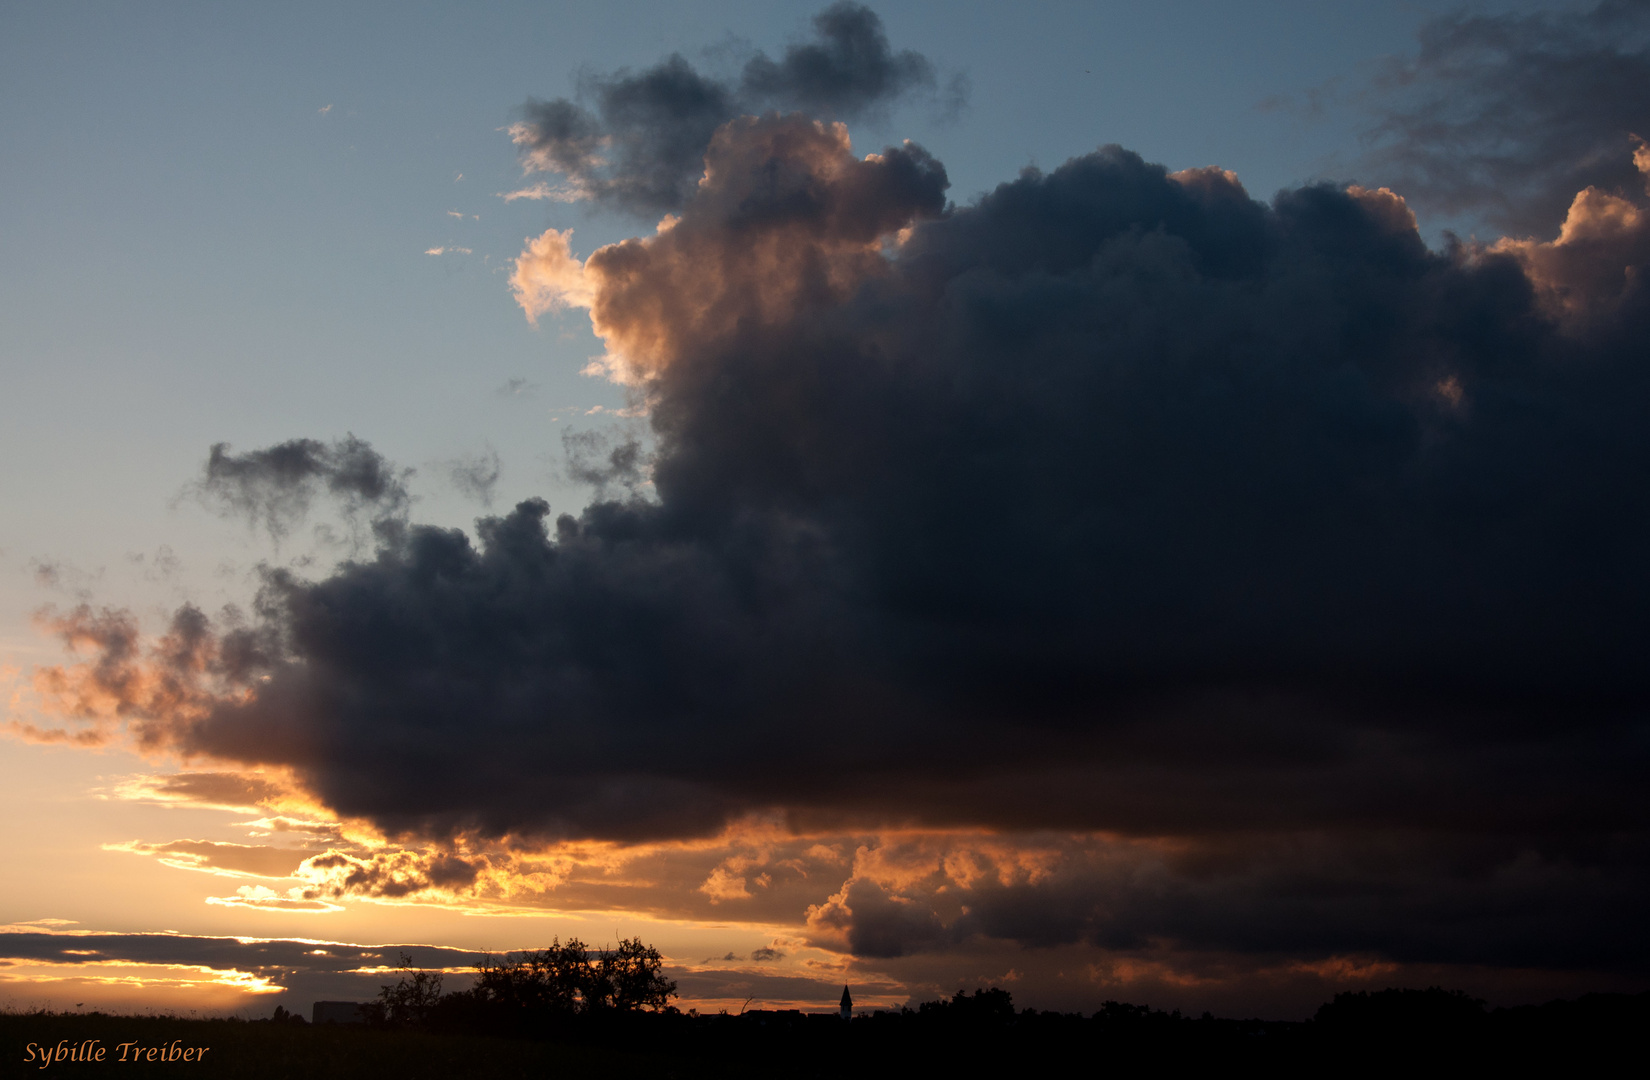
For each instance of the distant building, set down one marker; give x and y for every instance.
(847, 1004)
(338, 1012)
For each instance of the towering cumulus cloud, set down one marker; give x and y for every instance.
(1297, 567)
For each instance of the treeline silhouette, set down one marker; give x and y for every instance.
(547, 991)
(570, 993)
(1389, 1032)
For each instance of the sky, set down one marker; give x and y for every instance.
(1114, 502)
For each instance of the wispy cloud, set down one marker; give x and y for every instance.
(263, 898)
(476, 474)
(218, 857)
(565, 193)
(517, 387)
(205, 790)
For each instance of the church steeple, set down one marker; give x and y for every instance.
(847, 1004)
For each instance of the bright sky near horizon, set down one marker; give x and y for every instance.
(252, 224)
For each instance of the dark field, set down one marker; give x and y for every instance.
(260, 1050)
(1414, 1032)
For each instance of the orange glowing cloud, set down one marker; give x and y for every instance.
(1388, 207)
(128, 975)
(548, 277)
(218, 857)
(263, 898)
(785, 217)
(150, 690)
(245, 792)
(1597, 259)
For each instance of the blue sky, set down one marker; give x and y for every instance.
(194, 251)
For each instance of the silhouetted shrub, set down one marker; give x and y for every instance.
(1388, 1013)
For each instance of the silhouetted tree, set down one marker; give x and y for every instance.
(410, 1000)
(556, 979)
(631, 977)
(985, 1007)
(1391, 1012)
(569, 978)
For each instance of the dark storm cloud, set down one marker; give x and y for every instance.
(640, 143)
(847, 73)
(1506, 117)
(880, 926)
(1398, 894)
(1115, 502)
(275, 487)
